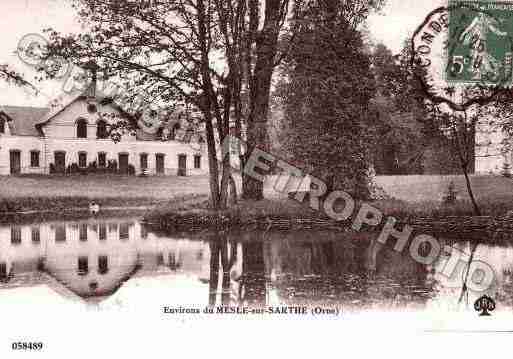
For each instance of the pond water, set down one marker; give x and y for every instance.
(120, 261)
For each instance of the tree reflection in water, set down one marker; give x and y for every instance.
(292, 269)
(223, 254)
(247, 268)
(245, 288)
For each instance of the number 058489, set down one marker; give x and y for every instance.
(27, 346)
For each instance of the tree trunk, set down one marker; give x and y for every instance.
(470, 192)
(260, 86)
(207, 108)
(233, 191)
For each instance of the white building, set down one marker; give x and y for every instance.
(43, 141)
(490, 153)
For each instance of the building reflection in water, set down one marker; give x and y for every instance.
(92, 259)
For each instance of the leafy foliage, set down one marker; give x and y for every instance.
(411, 135)
(326, 96)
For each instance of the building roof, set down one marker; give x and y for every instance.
(28, 121)
(23, 120)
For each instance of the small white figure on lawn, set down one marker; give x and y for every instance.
(94, 208)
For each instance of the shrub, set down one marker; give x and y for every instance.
(92, 167)
(451, 195)
(73, 169)
(131, 170)
(112, 166)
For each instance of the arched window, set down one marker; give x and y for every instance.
(81, 128)
(101, 129)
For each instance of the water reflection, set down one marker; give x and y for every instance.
(92, 259)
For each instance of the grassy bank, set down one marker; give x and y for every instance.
(31, 210)
(419, 197)
(171, 198)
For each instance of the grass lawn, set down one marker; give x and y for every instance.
(416, 189)
(410, 195)
(58, 192)
(102, 186)
(421, 195)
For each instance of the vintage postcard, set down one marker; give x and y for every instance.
(315, 177)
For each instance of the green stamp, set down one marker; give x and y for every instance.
(479, 44)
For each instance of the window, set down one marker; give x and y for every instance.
(123, 163)
(15, 235)
(101, 129)
(144, 161)
(197, 161)
(60, 162)
(36, 235)
(123, 231)
(160, 259)
(81, 128)
(15, 161)
(102, 159)
(3, 271)
(182, 165)
(159, 163)
(102, 235)
(2, 125)
(82, 232)
(82, 159)
(103, 264)
(172, 261)
(34, 158)
(83, 265)
(91, 108)
(60, 234)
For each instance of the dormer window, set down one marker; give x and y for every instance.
(101, 129)
(81, 128)
(91, 108)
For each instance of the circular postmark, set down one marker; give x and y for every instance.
(31, 49)
(462, 53)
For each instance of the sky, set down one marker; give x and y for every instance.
(399, 19)
(396, 22)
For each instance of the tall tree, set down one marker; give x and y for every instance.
(326, 94)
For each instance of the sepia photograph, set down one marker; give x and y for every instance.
(185, 177)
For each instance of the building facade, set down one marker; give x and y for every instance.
(76, 137)
(491, 154)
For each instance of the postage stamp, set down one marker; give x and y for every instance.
(479, 48)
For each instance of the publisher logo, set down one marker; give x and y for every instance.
(485, 305)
